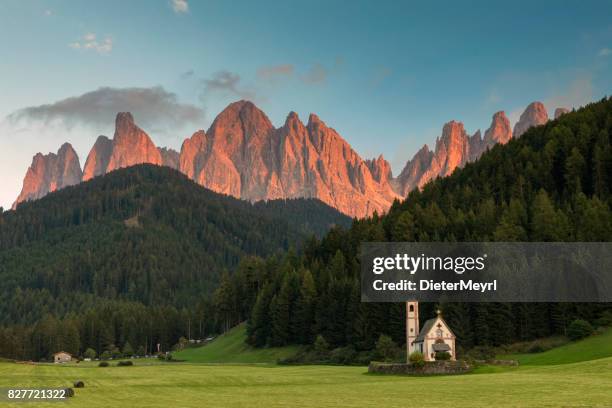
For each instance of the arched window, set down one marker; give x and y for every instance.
(412, 308)
(439, 332)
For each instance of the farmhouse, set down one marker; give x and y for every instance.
(61, 357)
(436, 336)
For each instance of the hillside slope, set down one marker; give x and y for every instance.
(230, 347)
(591, 348)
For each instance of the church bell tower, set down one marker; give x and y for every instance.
(412, 326)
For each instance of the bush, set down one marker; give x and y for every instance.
(443, 355)
(90, 353)
(165, 357)
(321, 347)
(605, 320)
(79, 384)
(68, 392)
(124, 363)
(579, 329)
(416, 359)
(343, 355)
(106, 355)
(386, 349)
(103, 364)
(481, 353)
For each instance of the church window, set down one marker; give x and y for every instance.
(411, 308)
(439, 333)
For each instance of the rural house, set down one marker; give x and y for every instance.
(61, 357)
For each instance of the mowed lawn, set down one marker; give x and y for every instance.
(585, 384)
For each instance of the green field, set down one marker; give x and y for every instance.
(231, 348)
(592, 348)
(551, 382)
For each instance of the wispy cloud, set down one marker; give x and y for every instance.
(317, 74)
(227, 83)
(152, 107)
(179, 6)
(274, 72)
(90, 42)
(604, 52)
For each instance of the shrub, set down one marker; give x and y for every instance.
(481, 353)
(321, 347)
(605, 320)
(140, 351)
(106, 355)
(68, 392)
(416, 359)
(386, 348)
(579, 329)
(128, 351)
(79, 384)
(103, 364)
(343, 355)
(443, 355)
(124, 363)
(90, 353)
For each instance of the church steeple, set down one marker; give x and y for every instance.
(412, 326)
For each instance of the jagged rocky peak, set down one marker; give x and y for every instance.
(98, 157)
(500, 131)
(534, 115)
(170, 157)
(380, 169)
(560, 111)
(131, 145)
(50, 172)
(191, 155)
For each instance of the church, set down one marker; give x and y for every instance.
(436, 335)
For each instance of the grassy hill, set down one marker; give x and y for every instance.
(231, 348)
(591, 348)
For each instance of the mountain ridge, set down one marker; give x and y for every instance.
(243, 155)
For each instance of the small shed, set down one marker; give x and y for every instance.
(62, 357)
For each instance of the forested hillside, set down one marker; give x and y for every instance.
(132, 257)
(551, 184)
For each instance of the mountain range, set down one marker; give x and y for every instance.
(243, 155)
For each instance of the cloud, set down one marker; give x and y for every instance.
(317, 74)
(225, 83)
(273, 72)
(48, 13)
(379, 75)
(152, 107)
(179, 6)
(90, 42)
(578, 93)
(188, 74)
(604, 52)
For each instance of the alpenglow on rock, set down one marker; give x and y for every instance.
(534, 115)
(242, 154)
(50, 172)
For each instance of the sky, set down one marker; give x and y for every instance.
(385, 74)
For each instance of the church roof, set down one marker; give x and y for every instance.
(426, 328)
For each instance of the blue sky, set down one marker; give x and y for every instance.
(385, 74)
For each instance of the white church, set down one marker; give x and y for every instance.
(436, 335)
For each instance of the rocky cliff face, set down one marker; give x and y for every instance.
(131, 145)
(499, 131)
(242, 154)
(534, 115)
(170, 157)
(50, 172)
(98, 158)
